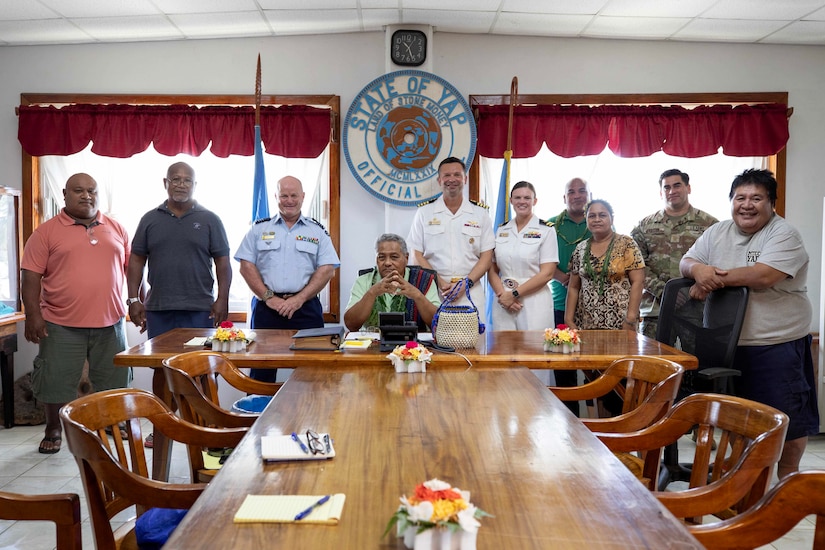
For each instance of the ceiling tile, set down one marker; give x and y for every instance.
(124, 29)
(313, 22)
(647, 28)
(657, 8)
(580, 7)
(818, 15)
(728, 30)
(779, 10)
(379, 4)
(52, 31)
(101, 8)
(32, 9)
(541, 24)
(307, 4)
(376, 19)
(451, 5)
(800, 32)
(204, 25)
(451, 21)
(205, 6)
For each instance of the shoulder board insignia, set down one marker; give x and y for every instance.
(480, 203)
(261, 220)
(420, 204)
(319, 224)
(548, 223)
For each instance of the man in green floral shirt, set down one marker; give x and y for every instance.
(392, 286)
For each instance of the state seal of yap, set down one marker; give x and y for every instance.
(408, 137)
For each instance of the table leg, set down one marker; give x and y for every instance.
(7, 380)
(162, 447)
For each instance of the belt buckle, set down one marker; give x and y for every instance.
(509, 283)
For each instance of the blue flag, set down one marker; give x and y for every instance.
(502, 216)
(260, 201)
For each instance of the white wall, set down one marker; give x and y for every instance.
(475, 64)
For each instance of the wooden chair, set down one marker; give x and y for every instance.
(723, 483)
(61, 508)
(798, 495)
(114, 472)
(192, 379)
(650, 388)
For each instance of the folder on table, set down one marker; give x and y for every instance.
(323, 338)
(284, 508)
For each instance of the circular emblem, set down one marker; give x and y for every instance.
(397, 130)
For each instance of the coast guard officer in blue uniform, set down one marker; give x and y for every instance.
(286, 261)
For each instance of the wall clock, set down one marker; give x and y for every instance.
(408, 48)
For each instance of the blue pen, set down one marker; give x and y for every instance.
(309, 510)
(300, 443)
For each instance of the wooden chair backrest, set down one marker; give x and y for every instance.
(651, 385)
(61, 508)
(205, 366)
(798, 495)
(727, 481)
(115, 473)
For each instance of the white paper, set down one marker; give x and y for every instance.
(198, 341)
(357, 335)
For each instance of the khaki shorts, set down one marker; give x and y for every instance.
(58, 366)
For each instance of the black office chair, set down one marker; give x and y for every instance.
(710, 331)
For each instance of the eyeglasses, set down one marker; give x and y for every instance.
(181, 182)
(315, 444)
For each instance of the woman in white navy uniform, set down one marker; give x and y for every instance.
(524, 261)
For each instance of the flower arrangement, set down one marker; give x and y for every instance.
(229, 338)
(435, 516)
(411, 357)
(561, 339)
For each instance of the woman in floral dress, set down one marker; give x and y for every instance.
(606, 276)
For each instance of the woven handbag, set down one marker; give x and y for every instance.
(457, 326)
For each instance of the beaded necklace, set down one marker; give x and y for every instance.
(598, 277)
(559, 220)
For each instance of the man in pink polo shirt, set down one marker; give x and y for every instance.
(73, 271)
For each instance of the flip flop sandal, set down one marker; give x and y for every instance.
(56, 442)
(123, 435)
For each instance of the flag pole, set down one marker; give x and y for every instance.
(260, 201)
(503, 202)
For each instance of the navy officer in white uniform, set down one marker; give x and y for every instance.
(524, 261)
(286, 261)
(454, 237)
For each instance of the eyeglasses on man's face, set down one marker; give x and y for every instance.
(180, 182)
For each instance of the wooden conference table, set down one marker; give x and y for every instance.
(494, 349)
(497, 433)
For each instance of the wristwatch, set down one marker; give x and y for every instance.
(470, 283)
(515, 293)
(267, 295)
(131, 301)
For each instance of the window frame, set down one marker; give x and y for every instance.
(776, 163)
(32, 201)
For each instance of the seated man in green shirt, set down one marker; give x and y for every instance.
(392, 286)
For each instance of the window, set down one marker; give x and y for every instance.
(321, 183)
(621, 178)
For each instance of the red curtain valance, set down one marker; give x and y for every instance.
(634, 131)
(292, 131)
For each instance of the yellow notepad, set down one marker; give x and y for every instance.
(284, 508)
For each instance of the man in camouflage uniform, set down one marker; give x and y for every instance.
(663, 238)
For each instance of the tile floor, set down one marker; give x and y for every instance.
(24, 470)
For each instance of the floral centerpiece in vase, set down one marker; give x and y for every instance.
(229, 338)
(437, 516)
(411, 357)
(561, 339)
